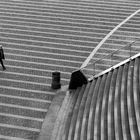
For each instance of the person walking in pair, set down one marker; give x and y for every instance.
(2, 57)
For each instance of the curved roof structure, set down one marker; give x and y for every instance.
(107, 108)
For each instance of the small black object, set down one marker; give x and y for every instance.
(2, 57)
(77, 79)
(56, 80)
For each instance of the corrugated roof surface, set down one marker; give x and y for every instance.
(106, 108)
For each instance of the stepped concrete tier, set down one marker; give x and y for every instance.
(42, 36)
(105, 108)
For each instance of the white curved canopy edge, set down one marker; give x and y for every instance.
(85, 63)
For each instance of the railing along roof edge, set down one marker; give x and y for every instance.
(115, 66)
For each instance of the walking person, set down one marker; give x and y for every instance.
(2, 57)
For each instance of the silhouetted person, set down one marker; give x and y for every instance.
(2, 57)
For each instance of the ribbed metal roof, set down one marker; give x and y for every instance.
(106, 108)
